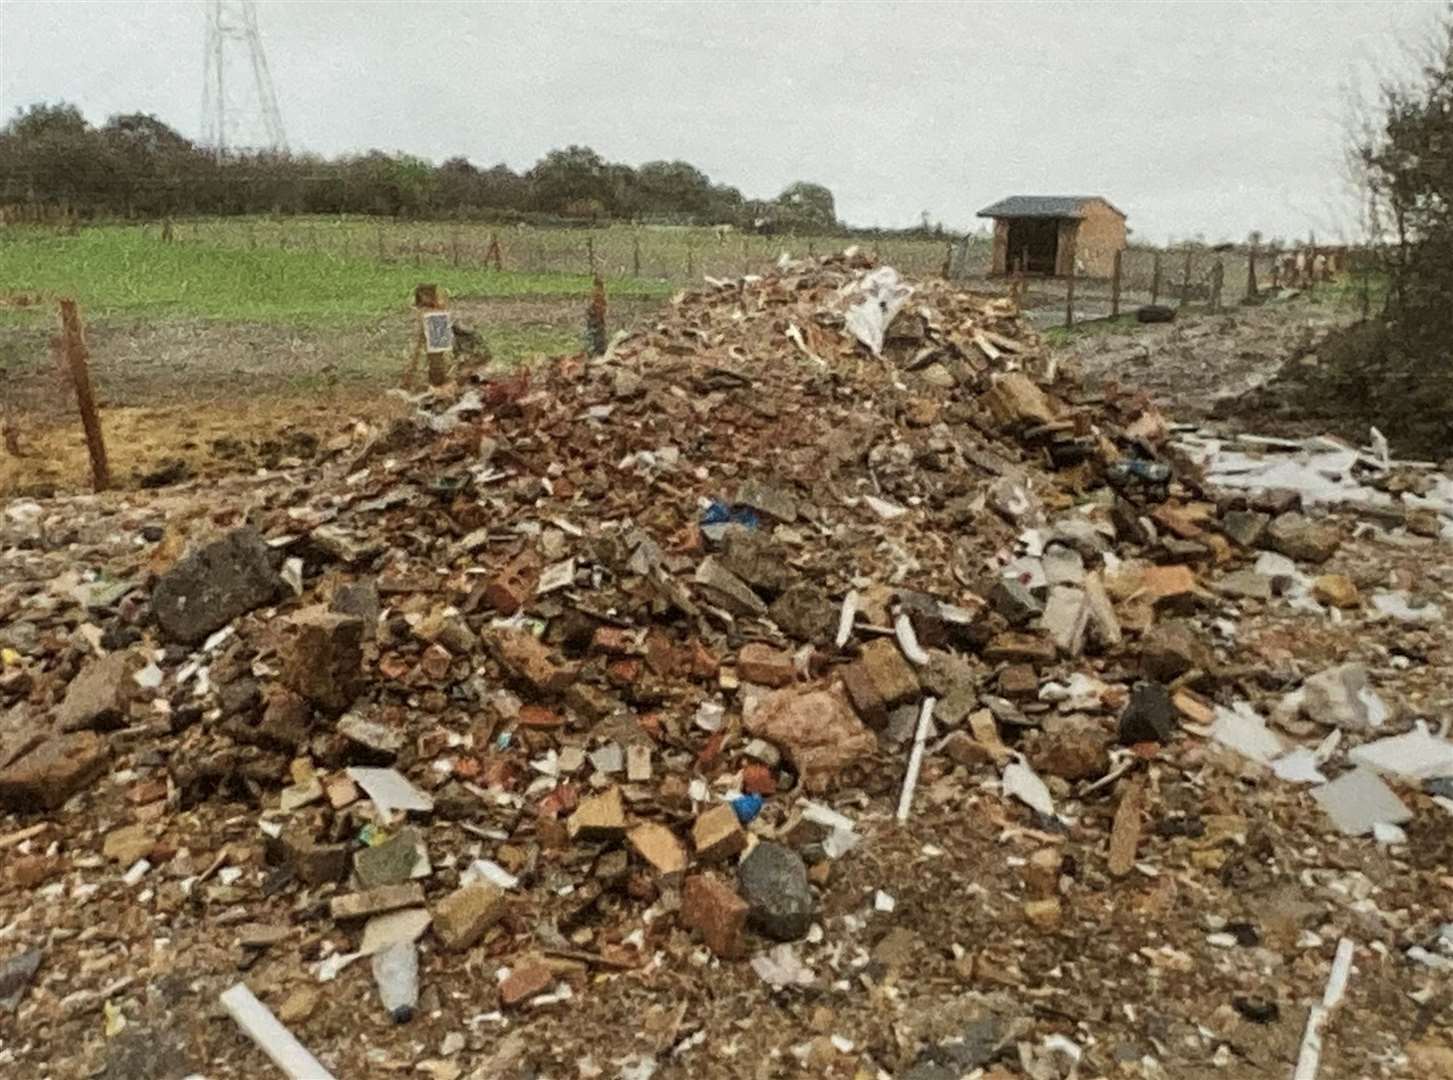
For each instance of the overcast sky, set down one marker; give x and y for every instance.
(1211, 118)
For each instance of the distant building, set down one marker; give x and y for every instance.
(1051, 234)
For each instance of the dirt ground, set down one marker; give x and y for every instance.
(1191, 367)
(196, 398)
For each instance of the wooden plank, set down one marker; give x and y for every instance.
(1125, 832)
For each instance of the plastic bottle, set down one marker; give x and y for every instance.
(396, 971)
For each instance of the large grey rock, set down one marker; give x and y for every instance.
(213, 585)
(773, 881)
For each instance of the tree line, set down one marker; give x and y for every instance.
(134, 165)
(1403, 158)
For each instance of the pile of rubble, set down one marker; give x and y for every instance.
(632, 672)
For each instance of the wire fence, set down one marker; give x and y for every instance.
(1211, 279)
(678, 255)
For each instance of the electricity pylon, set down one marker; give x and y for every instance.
(249, 117)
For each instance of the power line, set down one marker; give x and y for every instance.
(233, 123)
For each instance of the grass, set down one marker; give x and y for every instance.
(660, 253)
(119, 271)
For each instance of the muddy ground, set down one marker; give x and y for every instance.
(1197, 365)
(200, 398)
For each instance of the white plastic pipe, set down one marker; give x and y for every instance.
(915, 759)
(845, 618)
(274, 1040)
(1309, 1058)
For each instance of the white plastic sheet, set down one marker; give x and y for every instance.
(884, 295)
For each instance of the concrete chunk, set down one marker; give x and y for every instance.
(215, 584)
(462, 917)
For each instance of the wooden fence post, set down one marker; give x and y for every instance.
(595, 339)
(73, 344)
(1218, 274)
(1186, 281)
(1251, 290)
(690, 263)
(590, 251)
(635, 255)
(1364, 264)
(1070, 295)
(492, 253)
(454, 245)
(1115, 287)
(1155, 281)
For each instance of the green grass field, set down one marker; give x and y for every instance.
(191, 319)
(678, 255)
(121, 271)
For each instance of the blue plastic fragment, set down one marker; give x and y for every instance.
(503, 739)
(719, 513)
(747, 807)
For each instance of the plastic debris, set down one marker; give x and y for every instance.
(1415, 755)
(747, 807)
(1358, 800)
(781, 967)
(884, 295)
(1309, 1056)
(1023, 783)
(396, 972)
(277, 1042)
(390, 790)
(1241, 729)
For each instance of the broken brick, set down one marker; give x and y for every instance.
(879, 680)
(718, 834)
(764, 665)
(710, 906)
(531, 662)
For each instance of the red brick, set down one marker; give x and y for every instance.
(703, 662)
(818, 731)
(435, 663)
(710, 905)
(48, 775)
(623, 672)
(532, 663)
(512, 588)
(614, 640)
(524, 982)
(760, 663)
(539, 717)
(757, 779)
